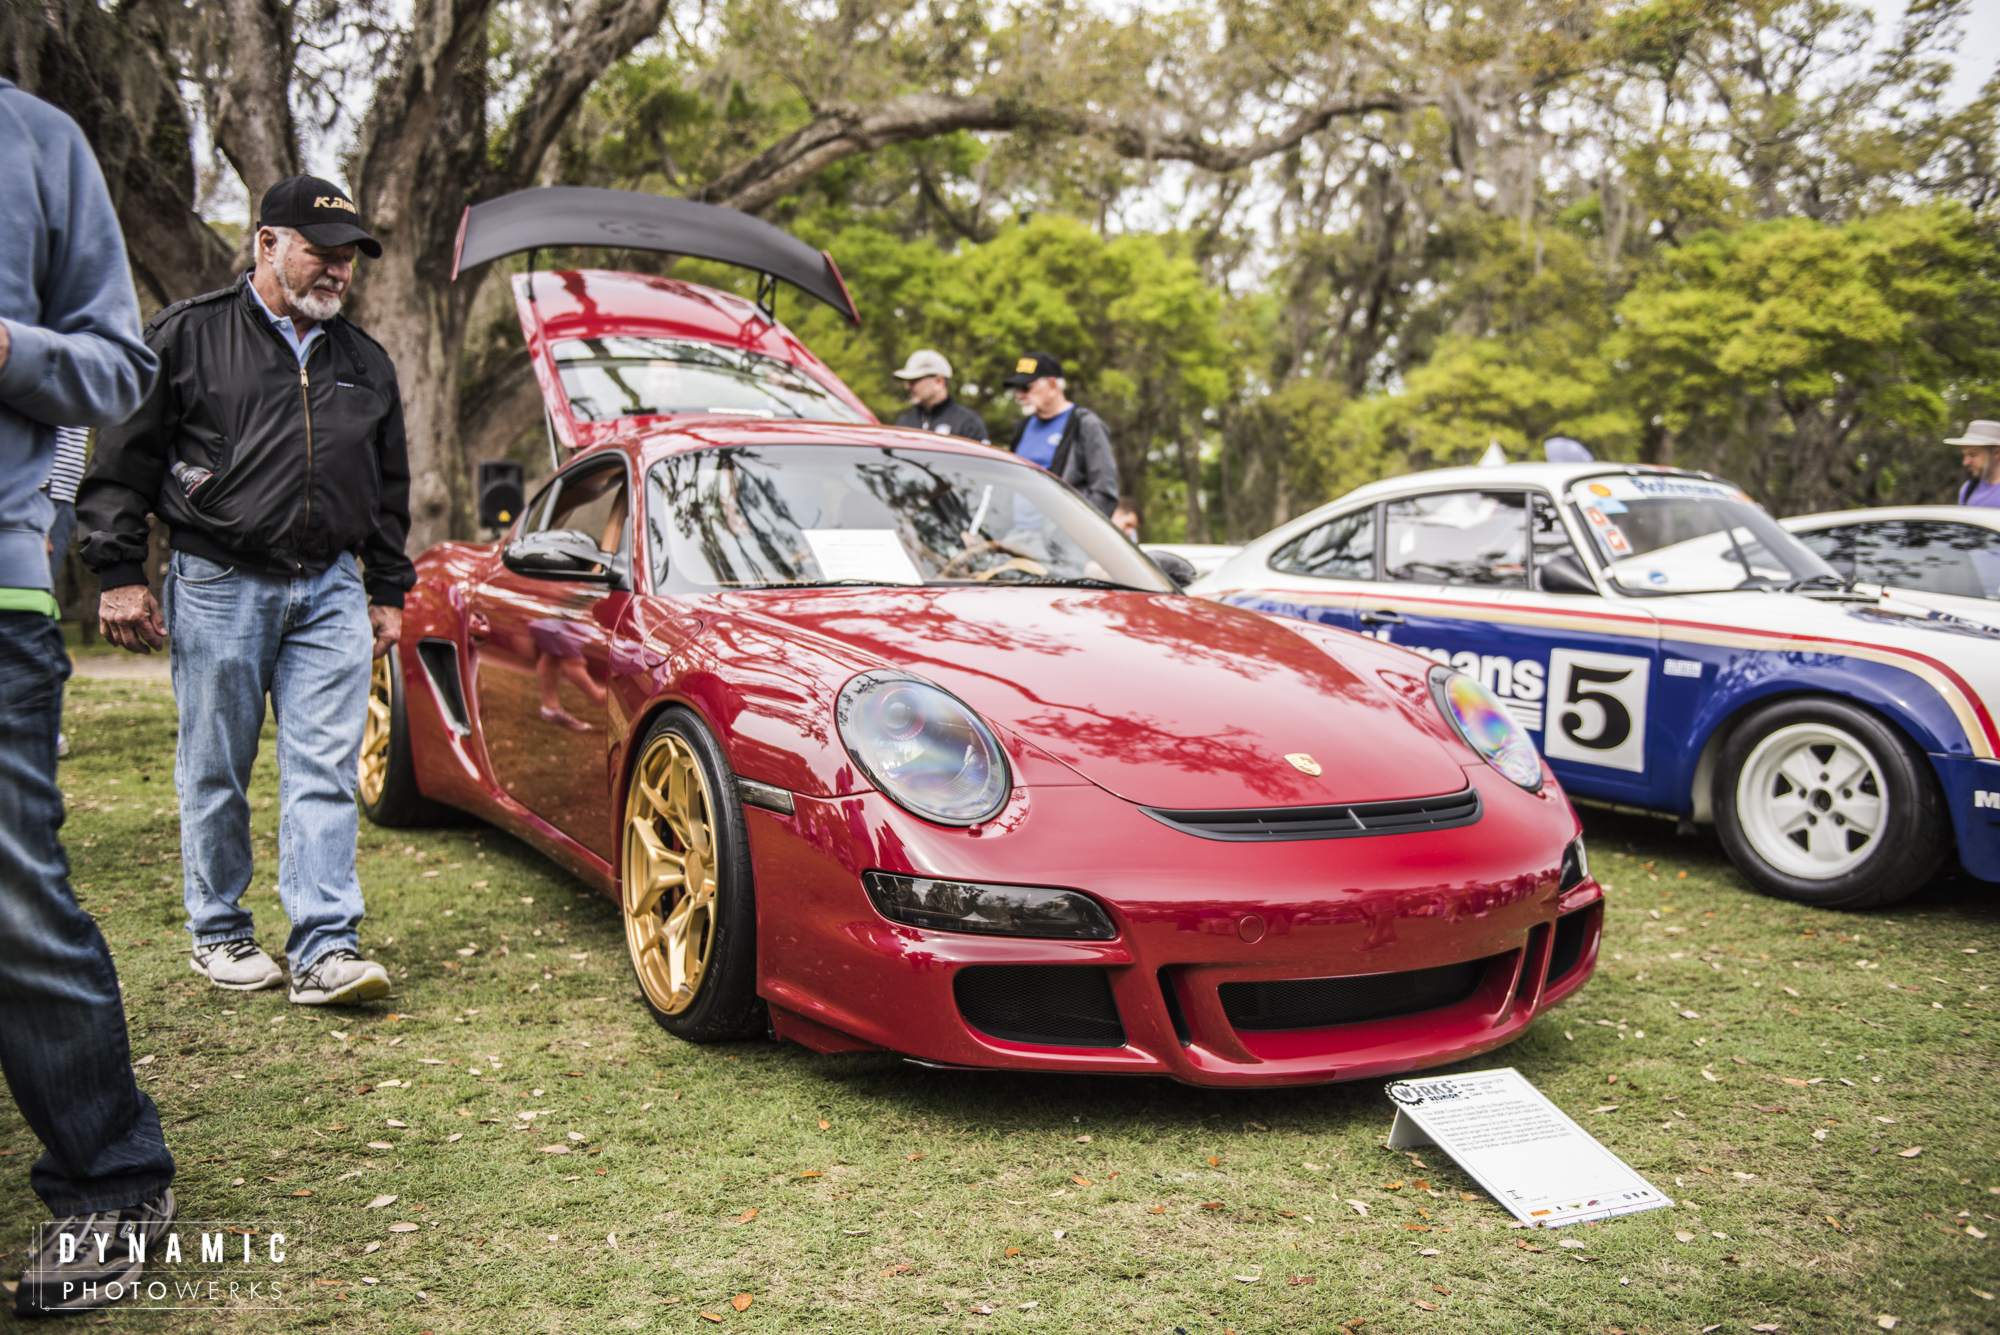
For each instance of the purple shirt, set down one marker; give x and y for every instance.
(1985, 494)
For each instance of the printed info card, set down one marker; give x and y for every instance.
(874, 554)
(1519, 1146)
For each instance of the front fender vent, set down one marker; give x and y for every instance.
(440, 660)
(1354, 820)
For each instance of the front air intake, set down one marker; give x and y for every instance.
(1314, 1003)
(1056, 1005)
(1353, 820)
(1572, 931)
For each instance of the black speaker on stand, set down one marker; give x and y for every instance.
(500, 497)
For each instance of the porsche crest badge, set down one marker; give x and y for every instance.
(1304, 763)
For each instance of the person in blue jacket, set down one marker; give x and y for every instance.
(70, 354)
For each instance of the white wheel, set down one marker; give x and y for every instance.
(1812, 801)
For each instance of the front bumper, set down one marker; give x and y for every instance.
(1972, 791)
(1201, 924)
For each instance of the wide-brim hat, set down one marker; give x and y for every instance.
(1979, 433)
(319, 211)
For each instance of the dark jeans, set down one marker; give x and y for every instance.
(62, 1023)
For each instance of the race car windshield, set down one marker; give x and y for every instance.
(609, 378)
(765, 516)
(1689, 535)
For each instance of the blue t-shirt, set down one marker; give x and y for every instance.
(1986, 494)
(1038, 445)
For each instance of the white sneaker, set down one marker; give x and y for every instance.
(340, 976)
(237, 965)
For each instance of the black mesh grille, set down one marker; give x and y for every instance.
(1572, 930)
(1061, 1005)
(1311, 1003)
(1353, 820)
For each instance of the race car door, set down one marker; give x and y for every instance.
(541, 629)
(1470, 578)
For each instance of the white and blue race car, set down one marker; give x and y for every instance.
(1675, 651)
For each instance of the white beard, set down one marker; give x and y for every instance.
(315, 306)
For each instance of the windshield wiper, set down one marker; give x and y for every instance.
(1081, 582)
(842, 584)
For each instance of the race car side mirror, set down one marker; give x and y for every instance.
(1561, 574)
(1174, 566)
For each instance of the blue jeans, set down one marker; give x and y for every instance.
(62, 1023)
(305, 642)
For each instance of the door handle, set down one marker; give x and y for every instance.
(1382, 619)
(477, 628)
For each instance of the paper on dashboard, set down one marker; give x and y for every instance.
(875, 554)
(1527, 1153)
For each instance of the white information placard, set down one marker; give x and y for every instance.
(862, 553)
(1523, 1149)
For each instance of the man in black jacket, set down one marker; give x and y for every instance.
(1066, 438)
(928, 377)
(272, 448)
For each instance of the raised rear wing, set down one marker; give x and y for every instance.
(571, 215)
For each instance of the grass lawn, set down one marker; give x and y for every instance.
(858, 1193)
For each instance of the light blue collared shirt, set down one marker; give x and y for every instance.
(283, 324)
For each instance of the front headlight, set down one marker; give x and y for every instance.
(1486, 726)
(1576, 866)
(922, 748)
(988, 910)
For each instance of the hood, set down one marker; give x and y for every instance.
(1165, 701)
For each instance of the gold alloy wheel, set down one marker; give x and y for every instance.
(375, 741)
(670, 907)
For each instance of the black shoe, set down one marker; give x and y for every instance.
(52, 1287)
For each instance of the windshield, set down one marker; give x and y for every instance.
(1665, 534)
(771, 515)
(609, 378)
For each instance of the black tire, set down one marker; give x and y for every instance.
(693, 952)
(391, 798)
(1781, 828)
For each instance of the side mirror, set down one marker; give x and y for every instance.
(561, 553)
(1174, 566)
(1561, 574)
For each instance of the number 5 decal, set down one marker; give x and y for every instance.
(1597, 709)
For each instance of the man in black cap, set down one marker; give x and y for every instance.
(1067, 439)
(272, 448)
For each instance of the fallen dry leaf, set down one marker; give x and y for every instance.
(379, 1202)
(1013, 1251)
(746, 1216)
(1303, 1279)
(402, 1228)
(1392, 1186)
(1430, 1251)
(1426, 1307)
(1570, 1242)
(915, 1157)
(1526, 1246)
(555, 1149)
(1910, 1153)
(812, 1172)
(1766, 1328)
(1360, 1207)
(710, 1316)
(1790, 1081)
(1211, 1205)
(1886, 1322)
(1083, 1140)
(1468, 1196)
(1157, 1209)
(454, 1136)
(1421, 1185)
(825, 1125)
(306, 1192)
(1214, 1162)
(897, 1269)
(380, 1145)
(1080, 1181)
(1416, 1228)
(741, 1302)
(1682, 1235)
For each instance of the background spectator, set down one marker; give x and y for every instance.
(927, 375)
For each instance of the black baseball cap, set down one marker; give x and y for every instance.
(1032, 368)
(317, 210)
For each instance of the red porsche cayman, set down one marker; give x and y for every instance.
(892, 742)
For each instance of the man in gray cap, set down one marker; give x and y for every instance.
(272, 448)
(927, 376)
(1981, 446)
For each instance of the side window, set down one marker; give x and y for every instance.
(592, 502)
(1931, 555)
(1459, 537)
(1547, 537)
(1342, 548)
